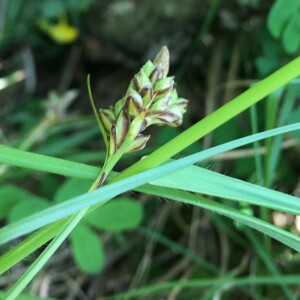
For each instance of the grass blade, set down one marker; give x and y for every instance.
(211, 183)
(44, 257)
(204, 283)
(281, 235)
(109, 191)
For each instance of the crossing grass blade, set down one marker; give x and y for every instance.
(109, 191)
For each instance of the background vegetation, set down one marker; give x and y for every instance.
(139, 243)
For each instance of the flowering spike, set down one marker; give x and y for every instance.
(150, 99)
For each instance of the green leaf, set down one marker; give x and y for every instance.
(211, 183)
(117, 215)
(48, 164)
(266, 64)
(279, 234)
(26, 208)
(9, 196)
(66, 228)
(71, 188)
(291, 34)
(279, 16)
(87, 249)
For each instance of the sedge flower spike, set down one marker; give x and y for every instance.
(150, 99)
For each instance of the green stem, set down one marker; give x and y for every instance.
(45, 234)
(64, 227)
(15, 291)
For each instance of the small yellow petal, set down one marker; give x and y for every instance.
(61, 32)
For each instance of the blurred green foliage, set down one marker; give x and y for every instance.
(284, 24)
(116, 216)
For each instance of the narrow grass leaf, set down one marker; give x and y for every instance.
(23, 281)
(267, 259)
(211, 183)
(9, 196)
(266, 228)
(109, 191)
(293, 279)
(44, 163)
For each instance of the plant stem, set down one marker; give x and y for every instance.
(64, 229)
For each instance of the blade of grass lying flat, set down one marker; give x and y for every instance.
(39, 238)
(187, 198)
(217, 118)
(266, 228)
(211, 183)
(69, 207)
(48, 164)
(279, 234)
(203, 283)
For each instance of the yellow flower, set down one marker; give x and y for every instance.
(61, 32)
